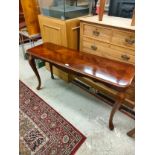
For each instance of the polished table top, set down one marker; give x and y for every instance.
(102, 69)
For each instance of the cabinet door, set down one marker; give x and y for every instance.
(53, 30)
(52, 34)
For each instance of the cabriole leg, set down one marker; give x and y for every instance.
(51, 69)
(119, 100)
(131, 132)
(33, 66)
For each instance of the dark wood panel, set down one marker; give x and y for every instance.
(102, 69)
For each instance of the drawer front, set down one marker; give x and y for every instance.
(94, 47)
(96, 32)
(122, 56)
(104, 50)
(125, 39)
(123, 50)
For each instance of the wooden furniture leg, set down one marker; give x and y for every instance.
(101, 9)
(119, 100)
(51, 69)
(133, 19)
(131, 132)
(33, 66)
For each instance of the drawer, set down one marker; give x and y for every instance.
(94, 47)
(121, 56)
(123, 38)
(123, 49)
(105, 50)
(97, 32)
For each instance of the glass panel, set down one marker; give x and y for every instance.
(65, 9)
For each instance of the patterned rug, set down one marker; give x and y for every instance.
(43, 131)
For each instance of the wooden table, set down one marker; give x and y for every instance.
(113, 73)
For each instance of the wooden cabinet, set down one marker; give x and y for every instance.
(61, 32)
(108, 42)
(114, 38)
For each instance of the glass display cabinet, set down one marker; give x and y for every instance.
(65, 9)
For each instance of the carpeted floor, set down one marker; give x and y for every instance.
(43, 131)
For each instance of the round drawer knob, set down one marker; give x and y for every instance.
(125, 57)
(130, 41)
(93, 47)
(96, 33)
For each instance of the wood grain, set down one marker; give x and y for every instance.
(109, 72)
(31, 11)
(133, 19)
(100, 69)
(111, 44)
(65, 33)
(101, 9)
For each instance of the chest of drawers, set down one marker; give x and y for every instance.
(108, 42)
(112, 38)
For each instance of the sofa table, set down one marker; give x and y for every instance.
(113, 73)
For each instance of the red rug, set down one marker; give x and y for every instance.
(43, 131)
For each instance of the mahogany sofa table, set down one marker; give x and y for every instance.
(109, 72)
